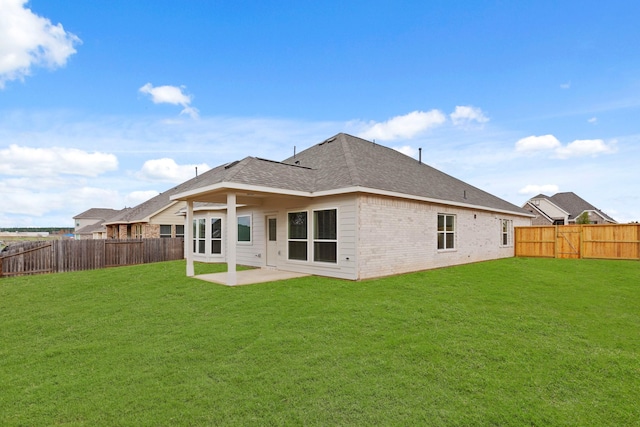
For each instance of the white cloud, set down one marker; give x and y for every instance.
(168, 170)
(404, 127)
(577, 148)
(593, 120)
(28, 40)
(537, 143)
(486, 159)
(36, 198)
(565, 85)
(585, 147)
(466, 115)
(537, 189)
(171, 95)
(27, 161)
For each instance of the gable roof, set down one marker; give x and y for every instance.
(343, 164)
(145, 210)
(345, 160)
(91, 228)
(573, 204)
(97, 213)
(533, 207)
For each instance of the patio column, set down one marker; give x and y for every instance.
(232, 239)
(188, 239)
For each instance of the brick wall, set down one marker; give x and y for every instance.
(398, 236)
(151, 231)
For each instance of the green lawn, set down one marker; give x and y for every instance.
(510, 342)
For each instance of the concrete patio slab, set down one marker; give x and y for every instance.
(249, 277)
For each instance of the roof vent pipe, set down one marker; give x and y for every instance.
(196, 171)
(420, 155)
(294, 151)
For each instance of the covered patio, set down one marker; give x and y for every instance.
(230, 199)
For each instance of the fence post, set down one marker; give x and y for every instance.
(638, 239)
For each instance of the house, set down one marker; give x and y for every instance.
(156, 217)
(90, 223)
(564, 209)
(345, 208)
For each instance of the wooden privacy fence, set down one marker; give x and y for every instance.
(57, 256)
(616, 241)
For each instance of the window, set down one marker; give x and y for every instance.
(297, 235)
(216, 235)
(446, 231)
(165, 231)
(199, 230)
(325, 240)
(244, 228)
(273, 230)
(137, 231)
(507, 233)
(179, 230)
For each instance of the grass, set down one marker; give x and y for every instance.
(510, 342)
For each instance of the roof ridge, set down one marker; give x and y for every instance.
(348, 158)
(282, 163)
(234, 169)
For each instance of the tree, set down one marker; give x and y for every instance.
(583, 218)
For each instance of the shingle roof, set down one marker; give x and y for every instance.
(89, 229)
(97, 213)
(573, 204)
(142, 211)
(250, 171)
(256, 171)
(345, 161)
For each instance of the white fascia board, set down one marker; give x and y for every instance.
(239, 187)
(183, 211)
(148, 217)
(145, 219)
(539, 211)
(419, 198)
(334, 192)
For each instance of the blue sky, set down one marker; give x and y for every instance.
(107, 103)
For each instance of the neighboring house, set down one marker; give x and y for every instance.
(90, 223)
(93, 231)
(157, 217)
(563, 209)
(345, 208)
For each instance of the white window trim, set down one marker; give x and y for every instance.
(250, 241)
(455, 232)
(509, 233)
(307, 240)
(197, 237)
(211, 238)
(313, 239)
